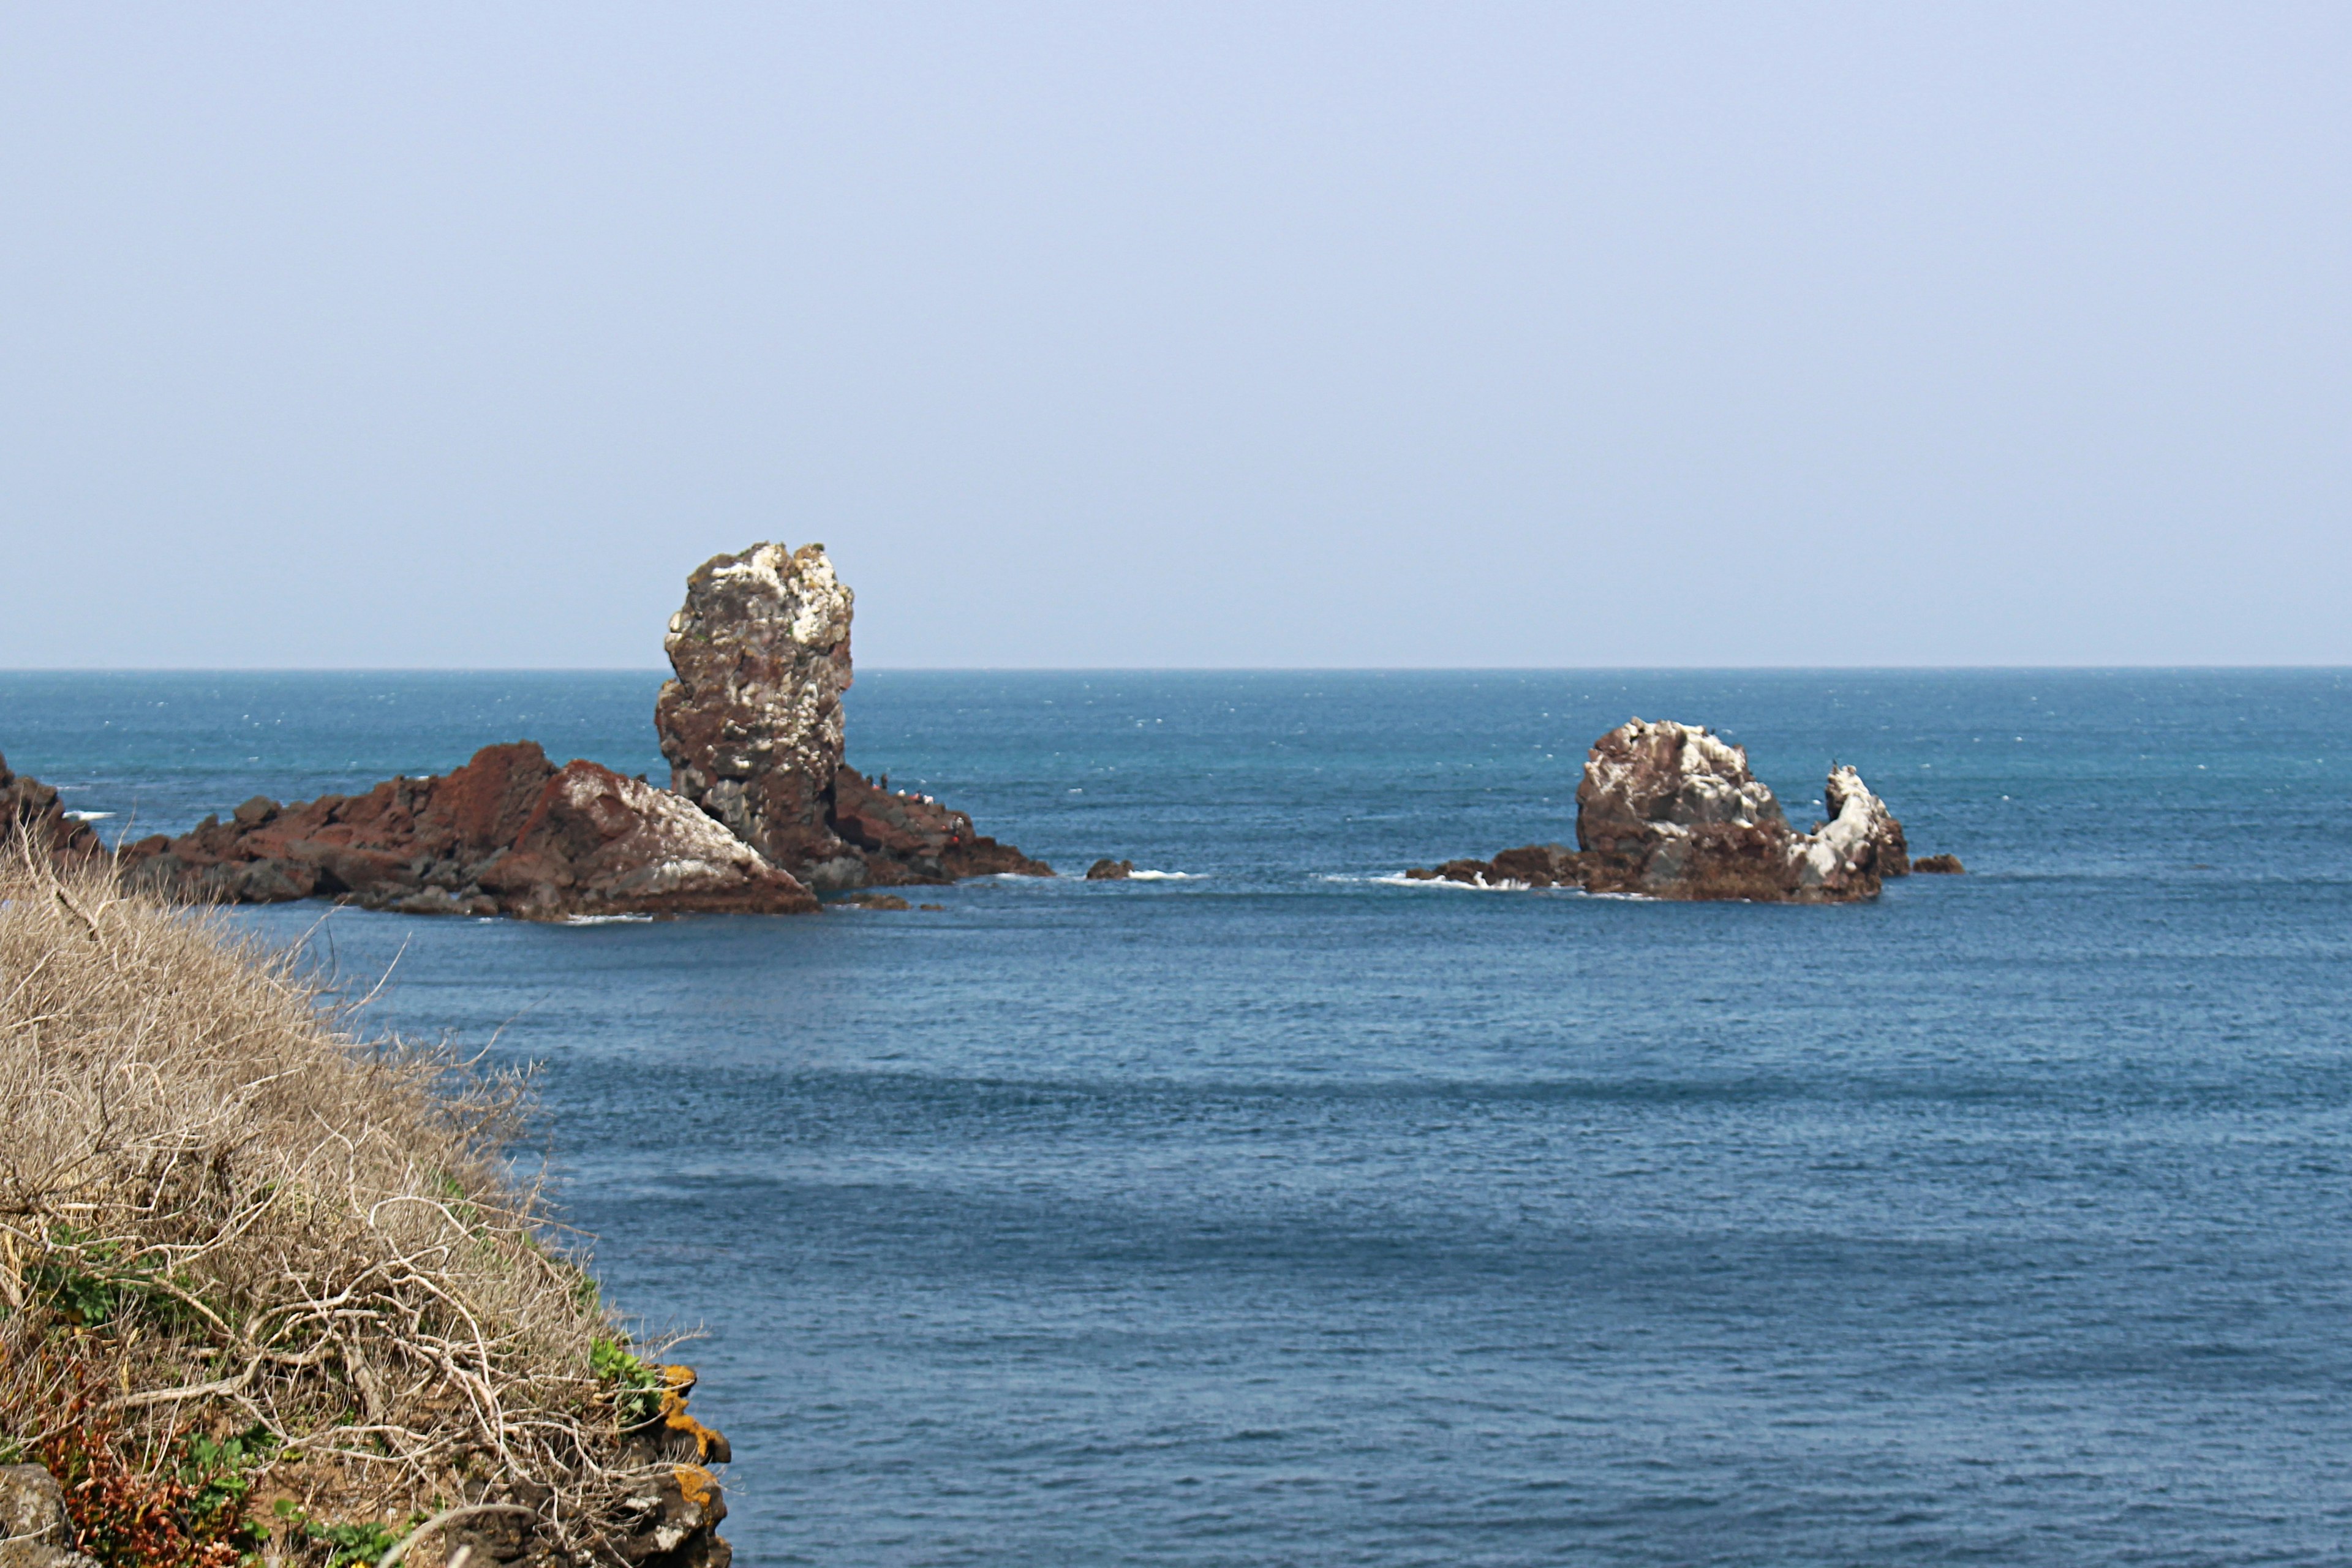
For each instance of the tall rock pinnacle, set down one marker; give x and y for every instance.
(753, 729)
(752, 725)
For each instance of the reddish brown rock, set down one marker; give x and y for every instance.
(752, 725)
(507, 833)
(1108, 870)
(905, 838)
(1670, 811)
(31, 812)
(1938, 865)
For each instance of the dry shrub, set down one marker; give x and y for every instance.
(220, 1212)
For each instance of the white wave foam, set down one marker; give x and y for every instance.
(90, 816)
(607, 920)
(1166, 876)
(1481, 886)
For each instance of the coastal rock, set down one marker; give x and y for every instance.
(1850, 802)
(1532, 866)
(507, 833)
(1108, 870)
(1670, 811)
(1673, 811)
(903, 838)
(751, 724)
(1937, 866)
(35, 1530)
(30, 810)
(674, 1503)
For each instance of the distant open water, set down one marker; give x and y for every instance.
(1284, 1216)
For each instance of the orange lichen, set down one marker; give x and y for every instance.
(695, 1484)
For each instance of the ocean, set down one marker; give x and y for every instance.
(1278, 1211)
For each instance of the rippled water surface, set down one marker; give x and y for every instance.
(1281, 1215)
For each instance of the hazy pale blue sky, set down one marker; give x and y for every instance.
(1187, 335)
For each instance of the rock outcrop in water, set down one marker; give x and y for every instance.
(763, 809)
(752, 725)
(31, 811)
(1670, 811)
(509, 833)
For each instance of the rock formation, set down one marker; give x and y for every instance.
(1937, 866)
(752, 725)
(29, 809)
(1673, 812)
(508, 833)
(35, 1530)
(763, 810)
(1109, 870)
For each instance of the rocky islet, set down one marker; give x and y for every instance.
(1669, 810)
(762, 815)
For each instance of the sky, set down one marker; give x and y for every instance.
(1180, 335)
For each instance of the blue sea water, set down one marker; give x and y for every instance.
(1285, 1214)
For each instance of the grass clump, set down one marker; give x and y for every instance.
(265, 1289)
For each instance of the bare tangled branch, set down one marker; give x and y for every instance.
(217, 1205)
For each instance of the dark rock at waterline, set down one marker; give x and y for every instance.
(30, 811)
(508, 834)
(903, 840)
(752, 726)
(1937, 866)
(1534, 866)
(1108, 870)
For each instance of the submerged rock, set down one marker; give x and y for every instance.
(1670, 811)
(752, 725)
(1109, 870)
(507, 833)
(1937, 866)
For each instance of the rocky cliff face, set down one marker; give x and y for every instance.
(1673, 812)
(752, 728)
(508, 833)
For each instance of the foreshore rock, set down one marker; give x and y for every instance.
(1109, 870)
(751, 724)
(1670, 811)
(1937, 866)
(30, 810)
(508, 833)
